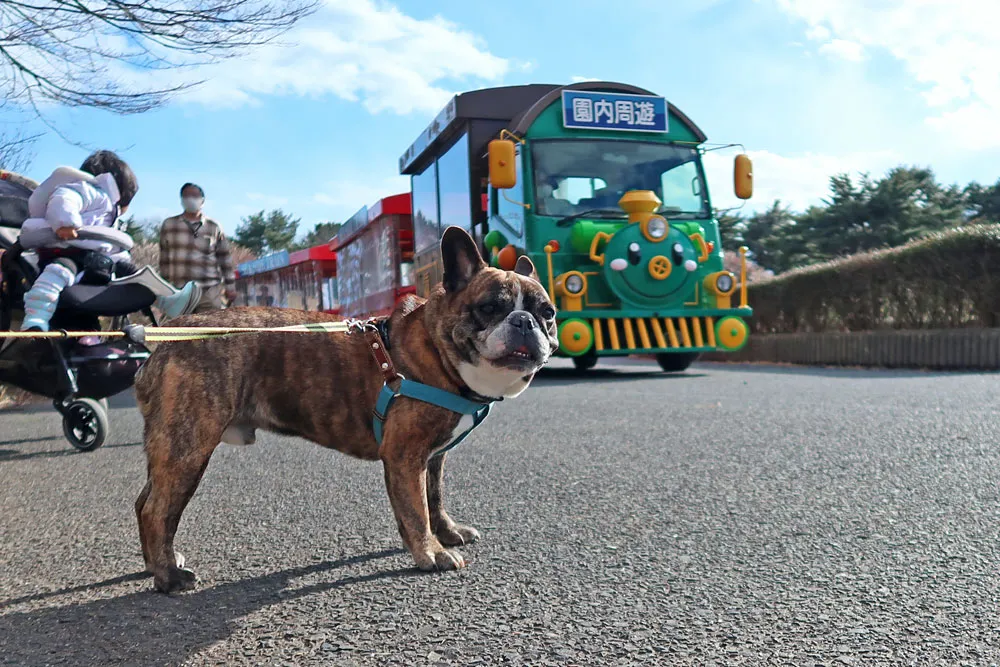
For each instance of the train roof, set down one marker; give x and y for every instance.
(284, 258)
(398, 204)
(516, 106)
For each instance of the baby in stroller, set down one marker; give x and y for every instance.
(96, 195)
(64, 264)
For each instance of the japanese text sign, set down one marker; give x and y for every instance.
(586, 110)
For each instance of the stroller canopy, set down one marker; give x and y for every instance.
(14, 192)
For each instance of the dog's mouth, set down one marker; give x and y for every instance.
(520, 359)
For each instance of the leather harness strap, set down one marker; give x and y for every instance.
(376, 345)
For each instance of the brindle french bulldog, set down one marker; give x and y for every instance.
(483, 333)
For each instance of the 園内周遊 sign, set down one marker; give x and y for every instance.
(587, 110)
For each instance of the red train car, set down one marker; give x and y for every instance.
(375, 258)
(304, 279)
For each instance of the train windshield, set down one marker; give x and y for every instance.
(573, 176)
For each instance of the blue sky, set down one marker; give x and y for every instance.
(810, 87)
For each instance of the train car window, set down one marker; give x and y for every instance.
(681, 188)
(453, 186)
(349, 285)
(426, 216)
(571, 189)
(573, 176)
(386, 256)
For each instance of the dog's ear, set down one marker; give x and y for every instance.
(460, 258)
(526, 267)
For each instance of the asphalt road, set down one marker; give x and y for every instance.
(726, 516)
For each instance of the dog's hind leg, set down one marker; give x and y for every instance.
(173, 480)
(140, 502)
(447, 531)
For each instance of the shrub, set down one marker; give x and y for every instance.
(945, 280)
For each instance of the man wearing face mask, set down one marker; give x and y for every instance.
(193, 247)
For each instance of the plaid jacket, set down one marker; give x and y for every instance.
(195, 251)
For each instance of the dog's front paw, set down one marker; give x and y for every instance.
(457, 535)
(174, 580)
(441, 559)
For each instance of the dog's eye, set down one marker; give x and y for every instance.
(486, 308)
(547, 312)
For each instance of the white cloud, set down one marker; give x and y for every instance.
(581, 79)
(358, 50)
(841, 48)
(949, 47)
(818, 33)
(798, 181)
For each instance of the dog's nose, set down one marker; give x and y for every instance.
(522, 321)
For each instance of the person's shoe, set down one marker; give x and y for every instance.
(180, 303)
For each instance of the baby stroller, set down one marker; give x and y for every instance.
(78, 375)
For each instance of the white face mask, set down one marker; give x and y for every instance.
(192, 204)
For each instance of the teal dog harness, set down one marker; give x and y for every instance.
(477, 409)
(434, 396)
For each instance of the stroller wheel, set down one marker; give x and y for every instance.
(85, 424)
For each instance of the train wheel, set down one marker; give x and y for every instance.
(585, 361)
(676, 362)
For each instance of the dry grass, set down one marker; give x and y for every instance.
(146, 253)
(11, 397)
(149, 253)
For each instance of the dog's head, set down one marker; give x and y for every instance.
(498, 328)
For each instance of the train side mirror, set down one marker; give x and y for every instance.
(503, 174)
(743, 176)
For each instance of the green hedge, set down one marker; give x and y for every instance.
(946, 280)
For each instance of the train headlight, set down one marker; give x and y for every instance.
(656, 228)
(721, 283)
(571, 284)
(574, 284)
(724, 283)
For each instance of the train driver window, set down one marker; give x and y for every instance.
(680, 189)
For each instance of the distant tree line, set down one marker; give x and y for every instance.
(260, 233)
(859, 215)
(276, 230)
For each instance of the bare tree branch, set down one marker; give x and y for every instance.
(16, 145)
(77, 53)
(16, 151)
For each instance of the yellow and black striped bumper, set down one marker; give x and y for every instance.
(651, 334)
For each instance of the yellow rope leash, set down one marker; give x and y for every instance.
(140, 333)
